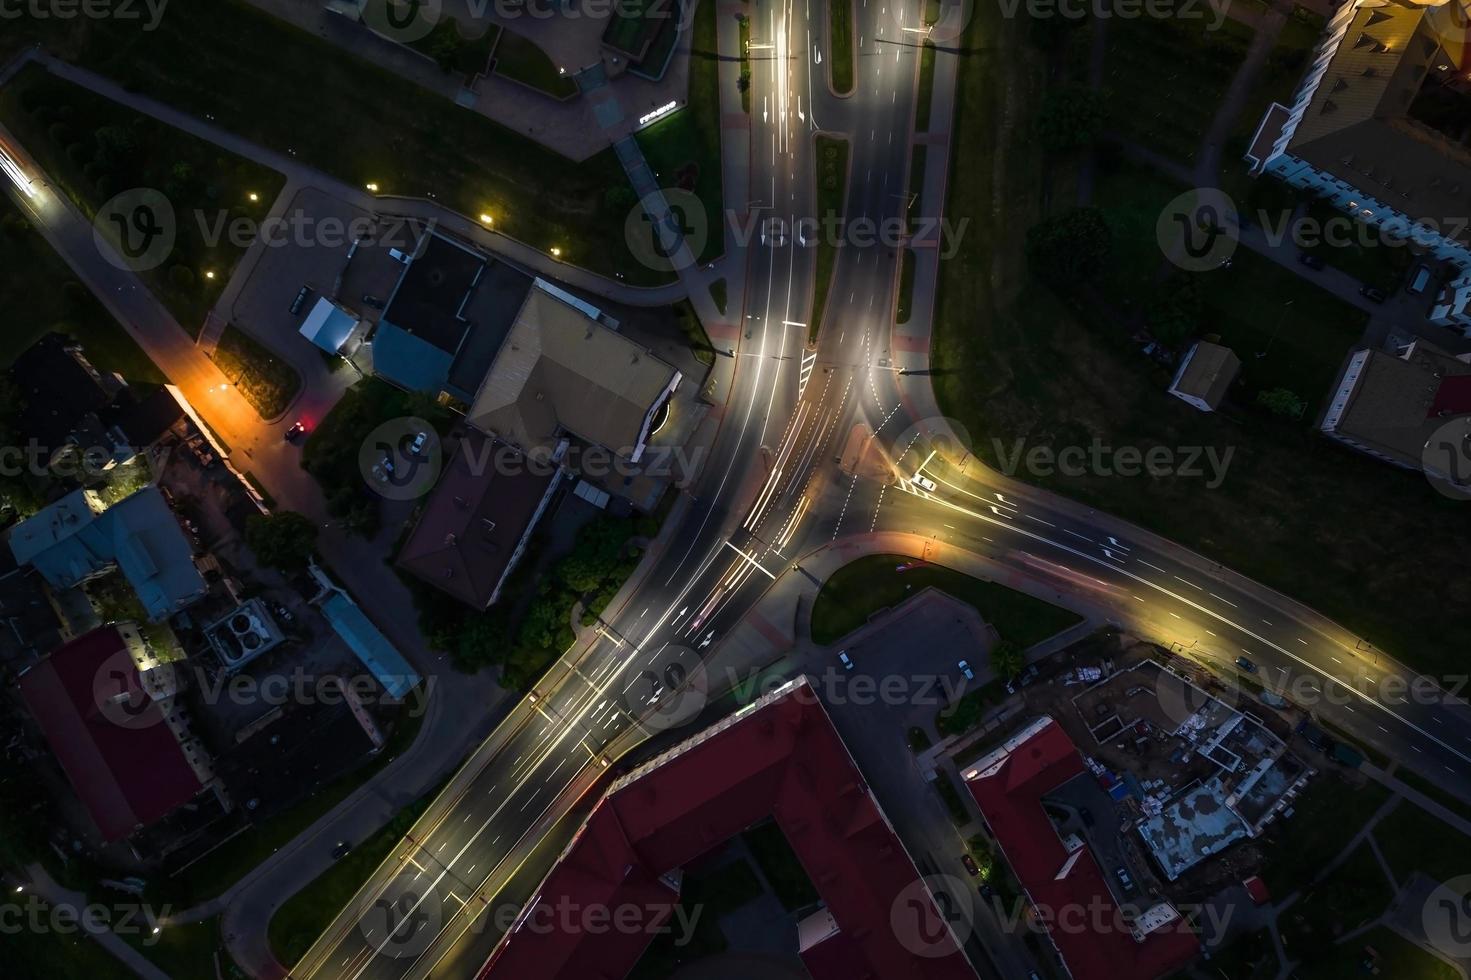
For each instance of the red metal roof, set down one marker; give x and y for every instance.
(784, 760)
(1453, 397)
(1257, 889)
(1072, 899)
(124, 762)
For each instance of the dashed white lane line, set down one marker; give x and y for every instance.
(1155, 567)
(1226, 601)
(1187, 582)
(1038, 520)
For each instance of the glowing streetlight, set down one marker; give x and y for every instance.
(210, 274)
(556, 252)
(254, 196)
(486, 219)
(373, 187)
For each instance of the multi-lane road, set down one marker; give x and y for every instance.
(773, 492)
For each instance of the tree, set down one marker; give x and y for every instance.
(1175, 310)
(1006, 659)
(1069, 249)
(1071, 118)
(1283, 402)
(282, 540)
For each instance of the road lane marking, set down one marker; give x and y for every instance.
(1226, 601)
(1155, 567)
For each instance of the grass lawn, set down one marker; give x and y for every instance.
(746, 63)
(906, 285)
(694, 332)
(1328, 814)
(360, 123)
(840, 59)
(717, 293)
(832, 196)
(1397, 959)
(94, 149)
(1355, 893)
(40, 294)
(521, 60)
(225, 865)
(186, 950)
(858, 590)
(683, 149)
(31, 953)
(1451, 802)
(448, 45)
(266, 381)
(1414, 840)
(944, 785)
(1168, 76)
(780, 867)
(331, 450)
(1358, 250)
(1014, 362)
(303, 917)
(926, 88)
(1250, 956)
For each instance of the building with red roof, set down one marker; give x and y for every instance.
(107, 712)
(1095, 938)
(777, 757)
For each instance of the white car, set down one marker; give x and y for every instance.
(923, 482)
(418, 443)
(845, 660)
(970, 675)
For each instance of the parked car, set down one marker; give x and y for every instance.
(1246, 665)
(300, 301)
(1310, 260)
(340, 851)
(374, 302)
(1086, 815)
(964, 665)
(923, 482)
(418, 443)
(1372, 293)
(845, 660)
(970, 865)
(987, 891)
(1125, 881)
(297, 430)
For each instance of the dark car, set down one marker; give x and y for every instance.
(970, 865)
(1310, 260)
(1087, 816)
(374, 302)
(987, 891)
(340, 851)
(300, 301)
(1246, 665)
(297, 430)
(1372, 293)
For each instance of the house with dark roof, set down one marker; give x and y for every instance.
(1389, 405)
(58, 388)
(778, 757)
(1064, 884)
(446, 318)
(108, 712)
(476, 524)
(1205, 375)
(1377, 124)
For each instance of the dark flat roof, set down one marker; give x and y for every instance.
(431, 292)
(473, 521)
(491, 312)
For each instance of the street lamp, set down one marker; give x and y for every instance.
(556, 252)
(486, 219)
(254, 196)
(372, 187)
(209, 274)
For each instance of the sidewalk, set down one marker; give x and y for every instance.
(42, 884)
